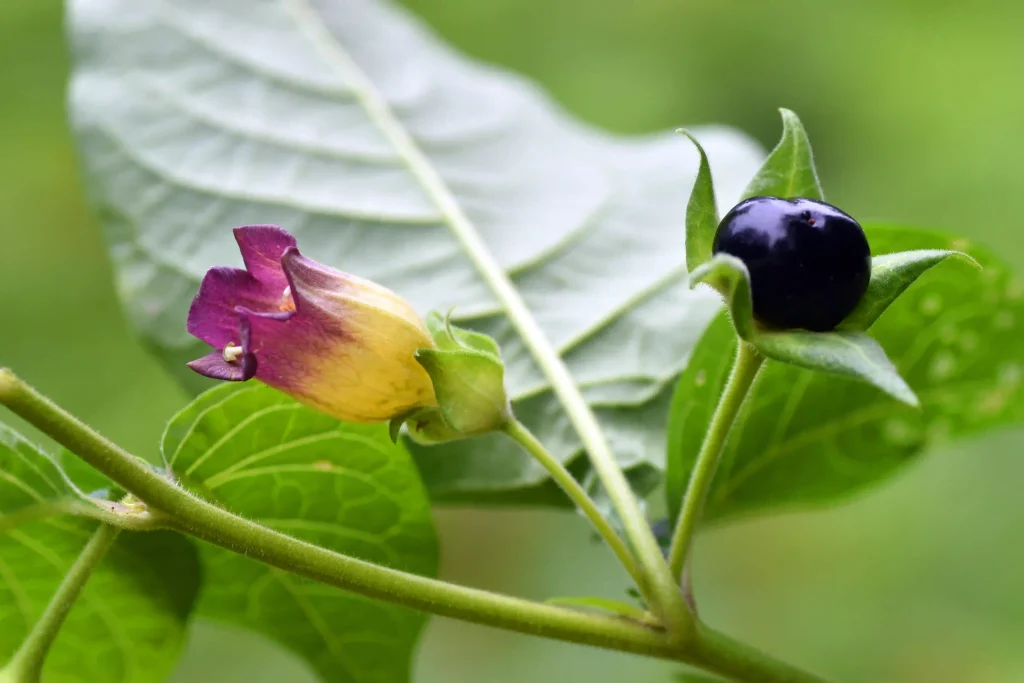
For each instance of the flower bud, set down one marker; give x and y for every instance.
(338, 343)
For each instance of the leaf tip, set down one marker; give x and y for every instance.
(902, 392)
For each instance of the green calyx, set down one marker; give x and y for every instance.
(469, 383)
(848, 350)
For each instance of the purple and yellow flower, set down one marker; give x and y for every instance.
(336, 342)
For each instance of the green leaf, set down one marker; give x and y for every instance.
(622, 609)
(701, 212)
(130, 622)
(789, 170)
(891, 274)
(846, 353)
(374, 152)
(805, 438)
(341, 486)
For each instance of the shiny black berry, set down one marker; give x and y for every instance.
(809, 262)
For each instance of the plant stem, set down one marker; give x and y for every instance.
(668, 601)
(27, 664)
(727, 657)
(180, 510)
(572, 488)
(744, 371)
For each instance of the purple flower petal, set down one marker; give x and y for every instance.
(216, 364)
(213, 316)
(262, 247)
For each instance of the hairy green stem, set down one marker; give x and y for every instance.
(178, 509)
(27, 664)
(572, 488)
(744, 371)
(668, 601)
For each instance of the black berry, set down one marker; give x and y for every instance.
(809, 262)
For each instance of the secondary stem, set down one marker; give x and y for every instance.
(180, 510)
(572, 488)
(27, 664)
(744, 370)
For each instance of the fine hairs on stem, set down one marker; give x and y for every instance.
(180, 510)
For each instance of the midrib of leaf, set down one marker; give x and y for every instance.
(462, 229)
(551, 364)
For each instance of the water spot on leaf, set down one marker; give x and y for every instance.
(1004, 320)
(323, 465)
(898, 432)
(1014, 290)
(700, 378)
(969, 341)
(939, 431)
(948, 334)
(931, 304)
(943, 365)
(993, 402)
(1009, 374)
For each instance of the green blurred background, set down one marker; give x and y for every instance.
(915, 110)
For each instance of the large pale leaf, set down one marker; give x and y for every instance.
(348, 123)
(343, 487)
(129, 624)
(804, 437)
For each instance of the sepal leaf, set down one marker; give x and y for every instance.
(448, 337)
(470, 389)
(891, 274)
(701, 212)
(789, 169)
(848, 353)
(729, 276)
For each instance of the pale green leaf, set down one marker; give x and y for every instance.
(789, 170)
(130, 622)
(341, 486)
(351, 125)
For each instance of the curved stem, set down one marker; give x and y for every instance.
(744, 370)
(27, 664)
(178, 509)
(668, 601)
(572, 488)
